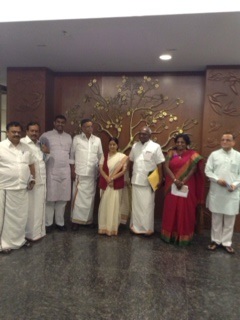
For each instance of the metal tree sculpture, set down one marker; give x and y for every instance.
(137, 102)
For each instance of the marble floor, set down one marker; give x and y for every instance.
(82, 275)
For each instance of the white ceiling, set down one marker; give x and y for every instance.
(131, 44)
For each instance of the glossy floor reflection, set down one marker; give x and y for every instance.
(83, 275)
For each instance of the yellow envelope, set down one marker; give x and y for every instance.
(154, 179)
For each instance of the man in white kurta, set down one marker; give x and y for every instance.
(223, 170)
(85, 155)
(35, 228)
(58, 174)
(145, 157)
(16, 175)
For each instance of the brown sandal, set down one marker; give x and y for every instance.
(229, 250)
(213, 246)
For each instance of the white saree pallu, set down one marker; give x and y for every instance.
(142, 218)
(35, 228)
(13, 218)
(84, 190)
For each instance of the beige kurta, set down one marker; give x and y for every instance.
(58, 166)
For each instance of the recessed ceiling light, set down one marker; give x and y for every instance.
(165, 57)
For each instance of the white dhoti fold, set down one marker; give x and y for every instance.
(35, 228)
(84, 189)
(13, 218)
(142, 218)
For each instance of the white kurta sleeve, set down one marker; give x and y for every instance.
(209, 169)
(100, 150)
(131, 156)
(159, 157)
(236, 181)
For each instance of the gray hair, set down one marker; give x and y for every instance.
(147, 129)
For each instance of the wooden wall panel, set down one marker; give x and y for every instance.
(29, 95)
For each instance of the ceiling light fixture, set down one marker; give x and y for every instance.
(165, 57)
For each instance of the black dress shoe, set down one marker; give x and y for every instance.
(49, 229)
(61, 228)
(146, 235)
(75, 227)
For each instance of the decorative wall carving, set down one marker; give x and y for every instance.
(136, 101)
(27, 92)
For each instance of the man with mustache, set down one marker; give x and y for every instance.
(145, 157)
(35, 228)
(17, 174)
(85, 154)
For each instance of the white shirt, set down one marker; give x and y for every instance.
(39, 164)
(145, 159)
(14, 165)
(85, 154)
(225, 166)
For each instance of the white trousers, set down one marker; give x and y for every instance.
(222, 228)
(35, 228)
(57, 208)
(13, 218)
(143, 202)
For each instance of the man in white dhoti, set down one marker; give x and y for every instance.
(223, 170)
(145, 157)
(85, 155)
(35, 228)
(58, 174)
(16, 175)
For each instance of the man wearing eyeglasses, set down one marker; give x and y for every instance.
(223, 170)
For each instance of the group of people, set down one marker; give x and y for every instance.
(36, 174)
(184, 191)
